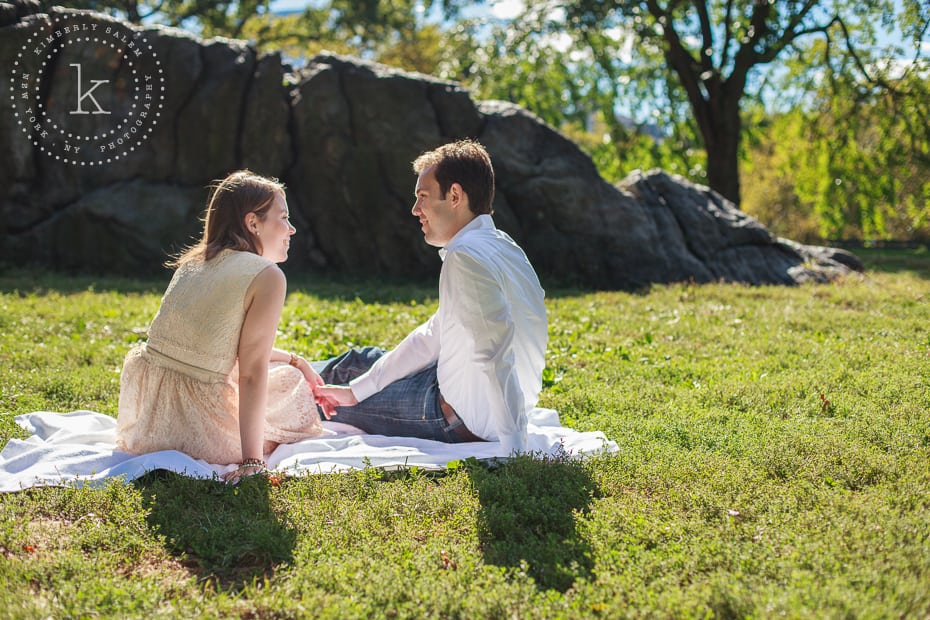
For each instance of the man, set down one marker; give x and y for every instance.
(472, 371)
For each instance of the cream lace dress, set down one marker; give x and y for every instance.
(179, 390)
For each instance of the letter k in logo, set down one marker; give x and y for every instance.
(81, 96)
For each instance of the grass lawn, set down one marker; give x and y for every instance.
(774, 462)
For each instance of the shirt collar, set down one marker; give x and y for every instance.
(480, 222)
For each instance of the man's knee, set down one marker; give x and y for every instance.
(352, 363)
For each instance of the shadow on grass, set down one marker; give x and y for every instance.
(895, 260)
(372, 288)
(330, 286)
(334, 286)
(39, 281)
(228, 535)
(527, 522)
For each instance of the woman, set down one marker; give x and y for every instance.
(208, 381)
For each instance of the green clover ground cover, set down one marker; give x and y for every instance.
(774, 461)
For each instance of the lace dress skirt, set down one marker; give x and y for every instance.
(167, 405)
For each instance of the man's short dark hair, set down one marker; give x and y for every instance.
(467, 163)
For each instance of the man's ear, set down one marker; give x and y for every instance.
(456, 194)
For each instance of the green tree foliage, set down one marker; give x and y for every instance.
(713, 52)
(392, 31)
(863, 118)
(211, 17)
(863, 171)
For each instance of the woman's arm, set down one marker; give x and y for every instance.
(264, 301)
(312, 377)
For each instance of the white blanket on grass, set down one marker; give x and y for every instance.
(79, 448)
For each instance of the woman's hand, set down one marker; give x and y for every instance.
(244, 470)
(328, 397)
(312, 377)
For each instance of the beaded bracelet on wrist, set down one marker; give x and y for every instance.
(253, 463)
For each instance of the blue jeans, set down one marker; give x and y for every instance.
(409, 407)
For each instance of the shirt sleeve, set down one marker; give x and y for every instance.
(473, 297)
(414, 353)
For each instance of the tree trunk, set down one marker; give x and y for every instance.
(721, 142)
(132, 11)
(715, 105)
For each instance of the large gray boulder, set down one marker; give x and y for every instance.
(341, 134)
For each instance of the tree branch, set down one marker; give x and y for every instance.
(707, 35)
(155, 9)
(727, 35)
(789, 35)
(687, 69)
(878, 81)
(748, 56)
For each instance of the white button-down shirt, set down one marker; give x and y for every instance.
(488, 336)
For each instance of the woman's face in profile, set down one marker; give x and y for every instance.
(274, 232)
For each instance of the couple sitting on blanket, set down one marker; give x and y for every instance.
(209, 383)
